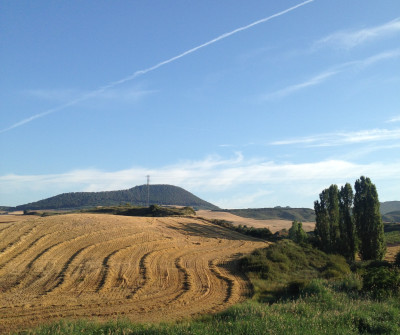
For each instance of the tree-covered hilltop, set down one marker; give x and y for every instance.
(158, 194)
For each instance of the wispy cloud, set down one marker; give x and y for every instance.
(53, 94)
(386, 55)
(316, 80)
(328, 74)
(351, 39)
(61, 95)
(344, 138)
(394, 119)
(211, 178)
(154, 67)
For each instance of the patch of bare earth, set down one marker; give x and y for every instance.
(103, 266)
(272, 225)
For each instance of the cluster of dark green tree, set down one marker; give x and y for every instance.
(347, 222)
(159, 194)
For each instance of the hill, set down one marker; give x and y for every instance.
(389, 206)
(100, 266)
(276, 213)
(390, 211)
(391, 217)
(158, 194)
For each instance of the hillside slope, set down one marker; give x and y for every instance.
(389, 206)
(158, 194)
(391, 217)
(277, 213)
(104, 266)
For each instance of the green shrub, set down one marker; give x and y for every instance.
(285, 269)
(381, 282)
(350, 283)
(336, 267)
(295, 287)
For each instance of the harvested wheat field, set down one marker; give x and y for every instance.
(272, 225)
(391, 252)
(103, 266)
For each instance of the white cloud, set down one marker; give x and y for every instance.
(211, 178)
(394, 119)
(343, 138)
(316, 80)
(351, 39)
(325, 75)
(386, 55)
(243, 199)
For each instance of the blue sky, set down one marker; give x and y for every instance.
(243, 103)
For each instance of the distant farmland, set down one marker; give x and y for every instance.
(102, 266)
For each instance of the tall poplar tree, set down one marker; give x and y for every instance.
(333, 210)
(368, 220)
(327, 219)
(348, 234)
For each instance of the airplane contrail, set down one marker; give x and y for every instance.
(152, 68)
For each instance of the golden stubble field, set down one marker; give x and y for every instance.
(96, 266)
(272, 225)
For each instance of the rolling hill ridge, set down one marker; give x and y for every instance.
(158, 194)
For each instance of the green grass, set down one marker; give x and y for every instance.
(392, 233)
(393, 237)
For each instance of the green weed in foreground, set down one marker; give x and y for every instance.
(320, 309)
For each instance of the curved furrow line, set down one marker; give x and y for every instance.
(27, 271)
(104, 278)
(105, 271)
(18, 225)
(40, 254)
(73, 239)
(62, 273)
(32, 244)
(8, 225)
(149, 287)
(17, 241)
(51, 248)
(103, 266)
(143, 275)
(229, 282)
(223, 232)
(204, 229)
(186, 279)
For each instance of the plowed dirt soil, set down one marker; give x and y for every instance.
(96, 266)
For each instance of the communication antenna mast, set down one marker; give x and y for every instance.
(148, 190)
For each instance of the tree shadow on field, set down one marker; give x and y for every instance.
(212, 231)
